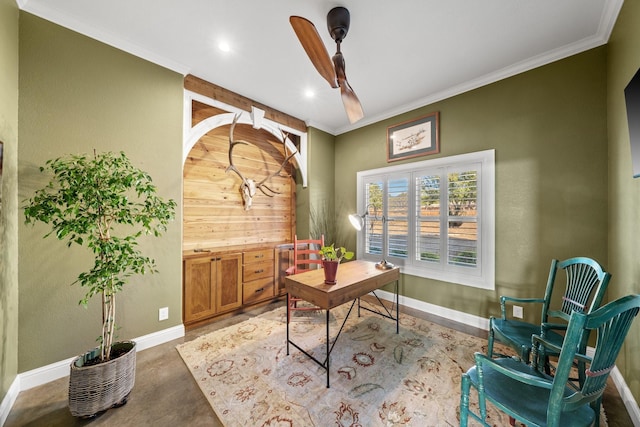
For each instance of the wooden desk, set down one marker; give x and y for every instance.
(354, 280)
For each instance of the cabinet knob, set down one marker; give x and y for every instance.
(260, 256)
(259, 271)
(259, 290)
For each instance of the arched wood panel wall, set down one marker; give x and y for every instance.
(213, 213)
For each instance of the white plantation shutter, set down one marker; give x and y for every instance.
(434, 218)
(462, 221)
(397, 218)
(372, 226)
(428, 235)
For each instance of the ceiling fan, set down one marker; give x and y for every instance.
(332, 69)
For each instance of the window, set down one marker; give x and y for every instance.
(434, 218)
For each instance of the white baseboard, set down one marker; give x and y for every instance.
(156, 338)
(54, 371)
(44, 374)
(447, 313)
(9, 400)
(625, 393)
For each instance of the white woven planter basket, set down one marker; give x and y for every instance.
(96, 388)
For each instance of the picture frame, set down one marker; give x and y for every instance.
(413, 138)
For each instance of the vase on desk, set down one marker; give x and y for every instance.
(330, 268)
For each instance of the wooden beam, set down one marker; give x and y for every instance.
(203, 87)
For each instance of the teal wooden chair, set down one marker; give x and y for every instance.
(528, 394)
(584, 288)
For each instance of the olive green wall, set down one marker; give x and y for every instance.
(77, 95)
(548, 129)
(9, 195)
(317, 198)
(623, 61)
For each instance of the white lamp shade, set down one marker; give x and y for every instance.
(357, 221)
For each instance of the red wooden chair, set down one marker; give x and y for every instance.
(306, 256)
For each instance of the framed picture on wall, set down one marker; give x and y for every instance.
(632, 100)
(417, 137)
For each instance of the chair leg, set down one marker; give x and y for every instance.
(464, 401)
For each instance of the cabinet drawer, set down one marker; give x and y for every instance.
(258, 270)
(257, 290)
(257, 256)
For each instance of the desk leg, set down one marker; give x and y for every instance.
(397, 309)
(328, 351)
(288, 324)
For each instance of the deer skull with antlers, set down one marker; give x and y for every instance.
(248, 187)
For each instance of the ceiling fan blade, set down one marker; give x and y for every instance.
(315, 48)
(351, 102)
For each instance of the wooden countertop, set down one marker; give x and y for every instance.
(204, 252)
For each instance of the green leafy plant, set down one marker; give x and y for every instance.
(331, 253)
(104, 203)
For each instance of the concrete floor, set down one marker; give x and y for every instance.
(165, 393)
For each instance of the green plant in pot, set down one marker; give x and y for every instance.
(331, 258)
(104, 203)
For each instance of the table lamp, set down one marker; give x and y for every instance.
(357, 220)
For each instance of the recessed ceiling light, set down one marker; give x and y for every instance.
(224, 46)
(309, 93)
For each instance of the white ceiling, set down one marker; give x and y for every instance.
(400, 54)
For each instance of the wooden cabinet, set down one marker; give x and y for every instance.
(257, 276)
(221, 281)
(212, 285)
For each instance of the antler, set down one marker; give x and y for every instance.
(232, 144)
(249, 186)
(261, 185)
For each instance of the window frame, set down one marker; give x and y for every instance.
(483, 275)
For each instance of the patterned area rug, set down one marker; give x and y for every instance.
(378, 377)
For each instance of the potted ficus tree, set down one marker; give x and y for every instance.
(105, 203)
(331, 258)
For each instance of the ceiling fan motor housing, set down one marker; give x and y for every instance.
(338, 20)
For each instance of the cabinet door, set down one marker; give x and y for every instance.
(199, 295)
(228, 285)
